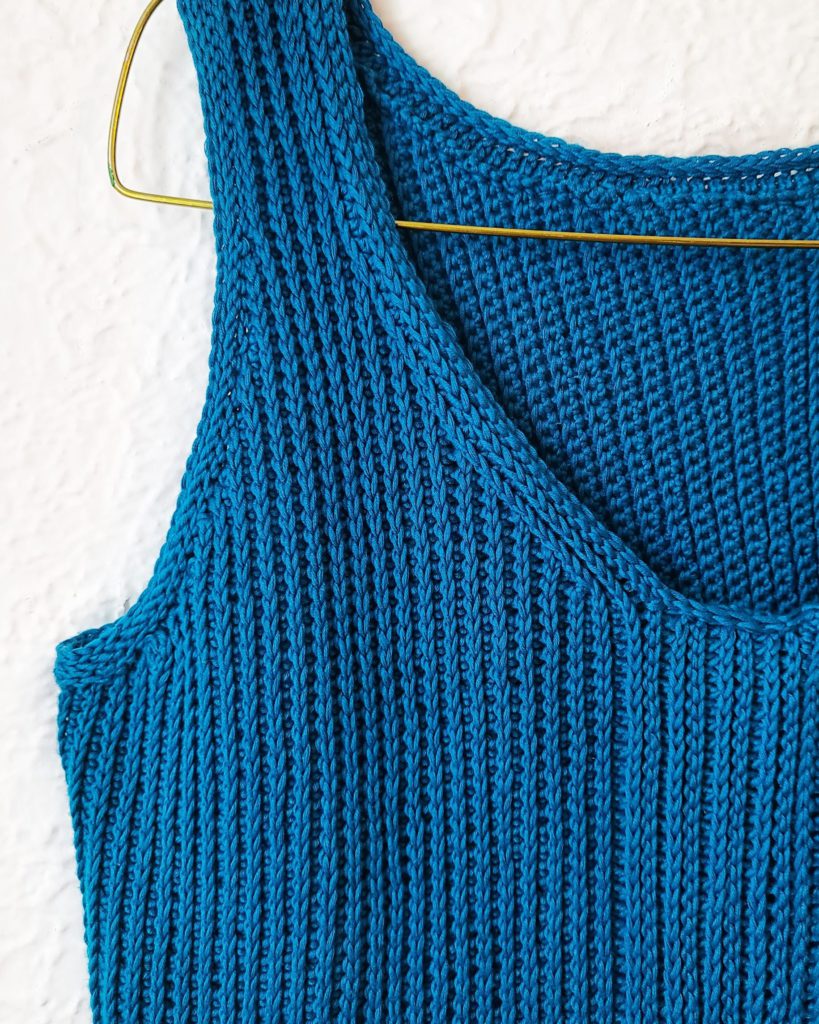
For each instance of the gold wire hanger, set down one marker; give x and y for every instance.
(465, 229)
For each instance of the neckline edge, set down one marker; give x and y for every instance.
(592, 548)
(497, 133)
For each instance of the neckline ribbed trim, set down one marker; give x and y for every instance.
(466, 406)
(413, 88)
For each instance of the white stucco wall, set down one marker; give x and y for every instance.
(105, 309)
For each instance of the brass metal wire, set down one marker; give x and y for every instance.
(465, 229)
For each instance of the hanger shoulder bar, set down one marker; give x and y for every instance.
(463, 229)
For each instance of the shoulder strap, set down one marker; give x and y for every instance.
(278, 95)
(284, 134)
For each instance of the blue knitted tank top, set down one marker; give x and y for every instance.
(477, 679)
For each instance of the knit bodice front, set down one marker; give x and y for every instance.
(477, 678)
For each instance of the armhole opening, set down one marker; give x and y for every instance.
(98, 653)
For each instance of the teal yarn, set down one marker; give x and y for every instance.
(477, 677)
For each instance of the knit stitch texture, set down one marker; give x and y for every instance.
(477, 679)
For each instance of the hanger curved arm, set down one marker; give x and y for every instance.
(113, 131)
(463, 229)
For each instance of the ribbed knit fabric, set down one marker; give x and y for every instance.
(477, 677)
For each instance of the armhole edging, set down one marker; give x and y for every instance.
(96, 653)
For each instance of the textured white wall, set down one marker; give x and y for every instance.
(105, 308)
